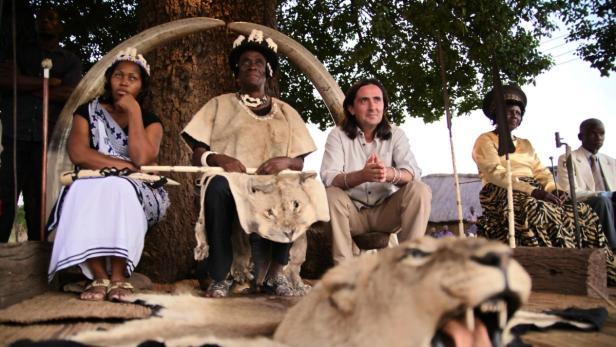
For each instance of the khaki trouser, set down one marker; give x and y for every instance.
(407, 210)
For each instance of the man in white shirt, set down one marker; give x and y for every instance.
(372, 178)
(594, 175)
(471, 221)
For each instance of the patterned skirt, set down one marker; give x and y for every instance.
(540, 223)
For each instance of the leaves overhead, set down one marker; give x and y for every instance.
(593, 24)
(93, 27)
(395, 41)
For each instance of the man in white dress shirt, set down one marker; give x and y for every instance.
(372, 178)
(594, 175)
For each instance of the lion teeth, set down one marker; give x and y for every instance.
(499, 307)
(488, 307)
(470, 319)
(502, 314)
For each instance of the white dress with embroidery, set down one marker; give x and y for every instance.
(104, 216)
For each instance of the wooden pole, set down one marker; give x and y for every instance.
(510, 214)
(441, 59)
(46, 65)
(505, 146)
(14, 130)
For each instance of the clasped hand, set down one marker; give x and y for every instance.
(559, 197)
(374, 170)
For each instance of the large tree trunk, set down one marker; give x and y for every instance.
(185, 75)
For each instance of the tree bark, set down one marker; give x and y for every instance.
(185, 75)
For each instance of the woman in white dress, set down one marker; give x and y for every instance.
(101, 222)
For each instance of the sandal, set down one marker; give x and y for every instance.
(218, 289)
(278, 285)
(96, 290)
(119, 291)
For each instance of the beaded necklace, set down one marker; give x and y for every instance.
(252, 102)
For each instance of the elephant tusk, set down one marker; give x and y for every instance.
(92, 84)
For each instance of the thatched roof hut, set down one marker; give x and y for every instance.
(444, 210)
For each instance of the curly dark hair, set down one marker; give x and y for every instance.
(145, 84)
(350, 125)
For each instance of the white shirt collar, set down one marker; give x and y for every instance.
(588, 153)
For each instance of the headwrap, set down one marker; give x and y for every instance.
(511, 93)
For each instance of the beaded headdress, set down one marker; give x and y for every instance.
(256, 41)
(130, 54)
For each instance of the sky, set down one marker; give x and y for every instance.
(560, 100)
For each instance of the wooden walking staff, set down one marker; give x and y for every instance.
(505, 146)
(441, 59)
(46, 65)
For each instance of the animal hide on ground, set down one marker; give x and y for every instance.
(366, 301)
(187, 320)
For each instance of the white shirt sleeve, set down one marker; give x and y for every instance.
(403, 157)
(333, 157)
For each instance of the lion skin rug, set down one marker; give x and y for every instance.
(425, 292)
(406, 296)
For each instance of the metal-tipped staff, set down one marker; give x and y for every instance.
(46, 65)
(505, 146)
(569, 163)
(441, 59)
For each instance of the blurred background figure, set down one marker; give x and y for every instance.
(471, 220)
(445, 232)
(26, 142)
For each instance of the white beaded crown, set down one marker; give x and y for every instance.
(130, 54)
(255, 41)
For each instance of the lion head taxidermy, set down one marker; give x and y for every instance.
(405, 296)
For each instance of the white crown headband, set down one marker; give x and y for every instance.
(257, 37)
(130, 54)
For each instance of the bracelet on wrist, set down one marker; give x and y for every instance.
(395, 176)
(346, 184)
(204, 158)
